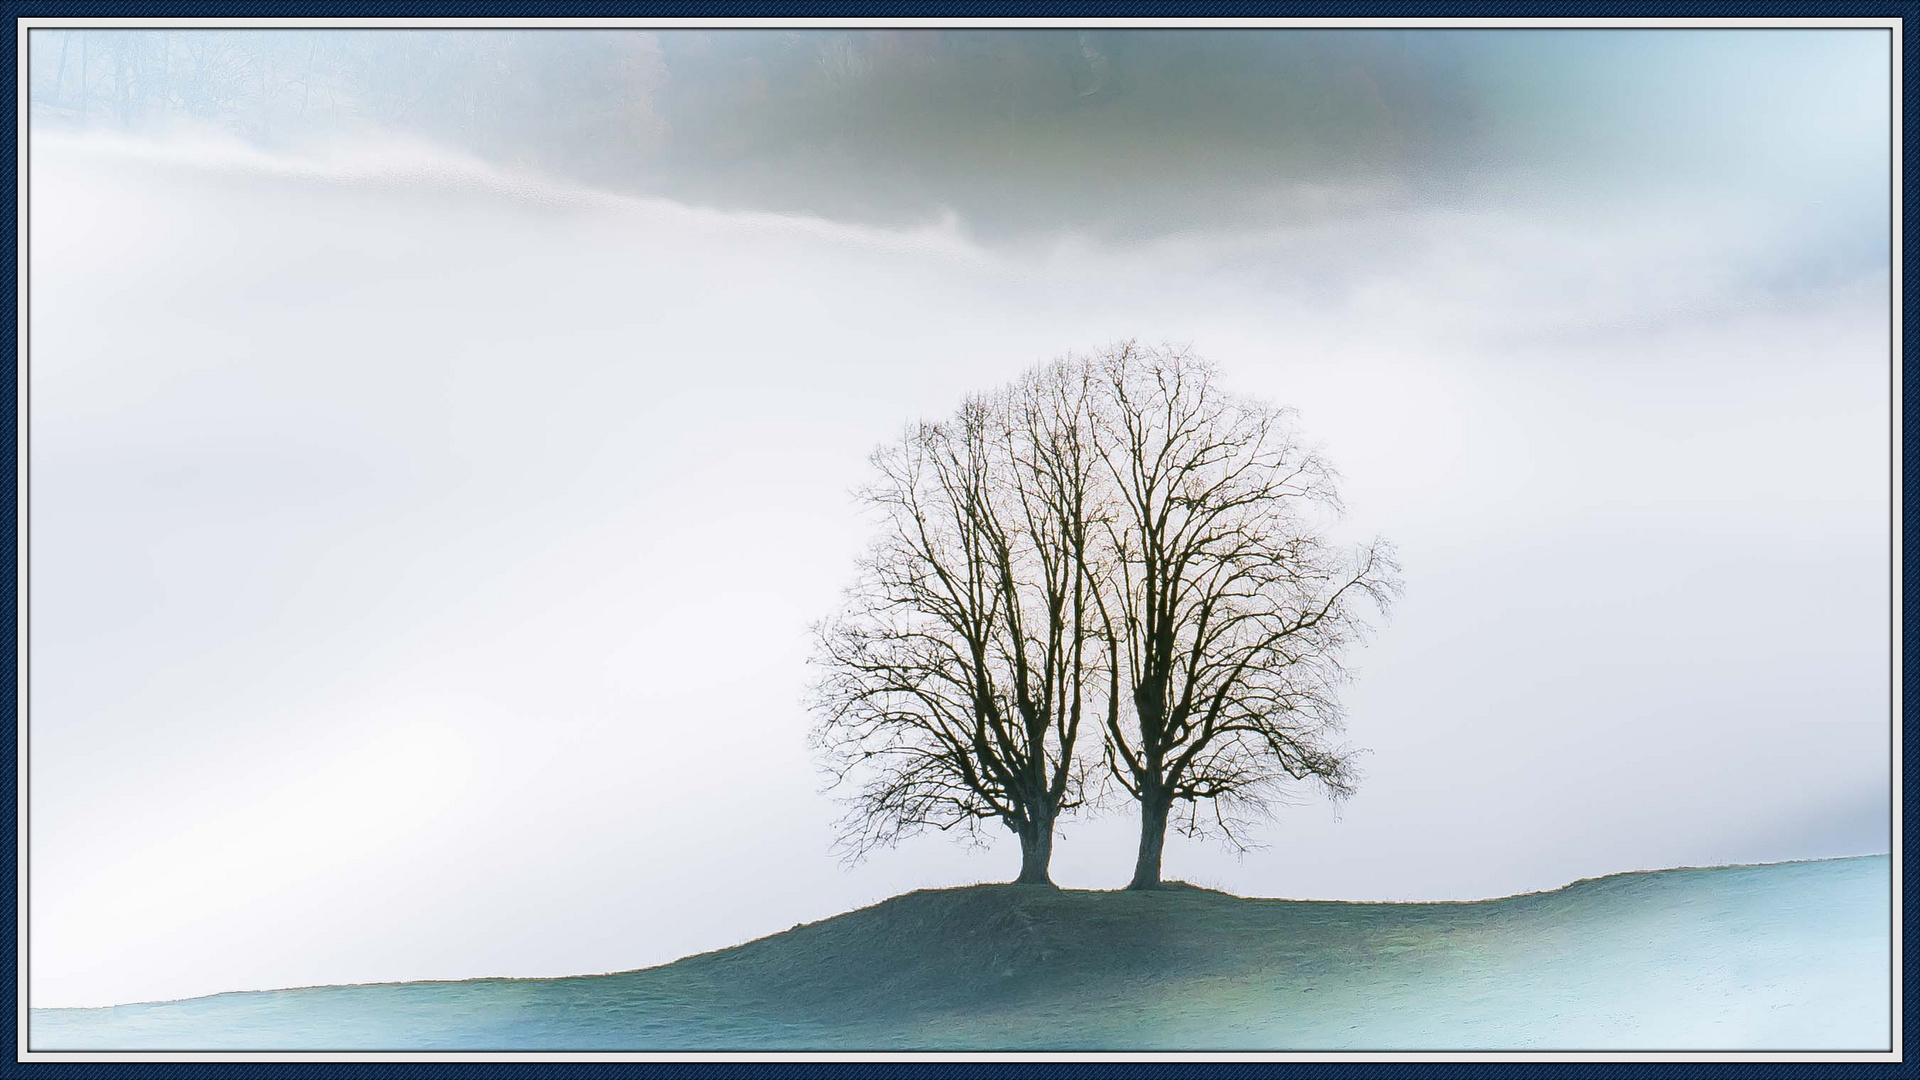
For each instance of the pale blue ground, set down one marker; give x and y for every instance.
(1785, 957)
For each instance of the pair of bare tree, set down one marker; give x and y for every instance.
(1109, 574)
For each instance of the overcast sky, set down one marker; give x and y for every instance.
(422, 551)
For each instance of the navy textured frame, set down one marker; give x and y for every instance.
(1467, 13)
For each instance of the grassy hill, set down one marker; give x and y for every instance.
(1786, 956)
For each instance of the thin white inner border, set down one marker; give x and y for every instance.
(22, 26)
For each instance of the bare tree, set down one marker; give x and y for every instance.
(1113, 539)
(957, 675)
(1228, 610)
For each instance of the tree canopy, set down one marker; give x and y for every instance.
(1111, 562)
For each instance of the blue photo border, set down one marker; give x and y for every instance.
(194, 1064)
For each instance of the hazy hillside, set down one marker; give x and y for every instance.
(1788, 956)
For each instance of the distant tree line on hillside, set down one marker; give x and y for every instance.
(1111, 575)
(561, 99)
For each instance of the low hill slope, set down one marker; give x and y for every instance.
(1787, 956)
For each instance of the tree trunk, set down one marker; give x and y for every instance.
(306, 80)
(83, 74)
(1036, 851)
(120, 86)
(1154, 805)
(60, 73)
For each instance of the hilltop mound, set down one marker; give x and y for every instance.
(982, 943)
(1785, 956)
